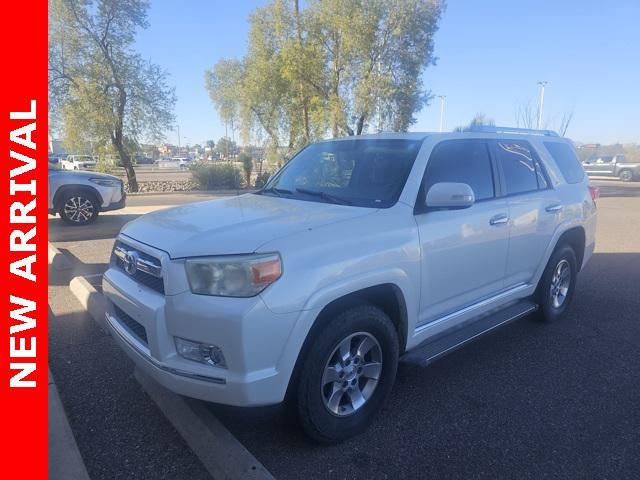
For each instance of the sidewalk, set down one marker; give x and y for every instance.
(65, 461)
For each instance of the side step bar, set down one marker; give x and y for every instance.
(451, 340)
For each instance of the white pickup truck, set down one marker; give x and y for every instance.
(358, 253)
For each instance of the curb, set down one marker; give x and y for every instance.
(65, 461)
(220, 452)
(57, 259)
(90, 299)
(195, 192)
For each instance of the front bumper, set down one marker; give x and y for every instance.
(255, 341)
(115, 205)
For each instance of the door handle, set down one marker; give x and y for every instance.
(499, 220)
(556, 207)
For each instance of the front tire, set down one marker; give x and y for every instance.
(347, 374)
(78, 208)
(557, 284)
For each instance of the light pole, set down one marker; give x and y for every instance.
(441, 97)
(542, 85)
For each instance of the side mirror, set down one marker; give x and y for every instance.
(450, 195)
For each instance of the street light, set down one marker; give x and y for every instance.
(542, 85)
(441, 97)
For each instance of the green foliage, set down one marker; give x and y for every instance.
(218, 175)
(261, 179)
(101, 92)
(339, 66)
(479, 120)
(247, 166)
(226, 147)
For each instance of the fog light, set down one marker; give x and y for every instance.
(200, 352)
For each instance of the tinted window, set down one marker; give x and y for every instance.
(519, 167)
(567, 161)
(367, 173)
(462, 161)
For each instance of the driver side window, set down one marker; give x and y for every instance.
(462, 161)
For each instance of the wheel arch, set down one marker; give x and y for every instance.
(67, 189)
(389, 297)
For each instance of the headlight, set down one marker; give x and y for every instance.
(233, 275)
(105, 182)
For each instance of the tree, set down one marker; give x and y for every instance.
(247, 166)
(526, 115)
(337, 66)
(211, 145)
(479, 120)
(99, 88)
(226, 147)
(565, 121)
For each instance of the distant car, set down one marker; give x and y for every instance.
(78, 162)
(183, 162)
(612, 166)
(78, 197)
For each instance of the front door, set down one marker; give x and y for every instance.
(464, 252)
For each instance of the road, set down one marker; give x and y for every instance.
(529, 401)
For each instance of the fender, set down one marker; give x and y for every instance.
(560, 229)
(320, 299)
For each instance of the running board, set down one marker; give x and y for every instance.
(451, 340)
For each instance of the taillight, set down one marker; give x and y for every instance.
(595, 193)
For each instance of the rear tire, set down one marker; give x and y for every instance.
(626, 175)
(347, 374)
(556, 287)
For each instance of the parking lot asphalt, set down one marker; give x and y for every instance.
(528, 401)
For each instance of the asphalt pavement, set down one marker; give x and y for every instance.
(528, 401)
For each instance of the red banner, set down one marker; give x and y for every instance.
(23, 297)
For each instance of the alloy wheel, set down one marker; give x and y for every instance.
(560, 282)
(351, 374)
(79, 209)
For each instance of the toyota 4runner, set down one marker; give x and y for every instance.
(358, 253)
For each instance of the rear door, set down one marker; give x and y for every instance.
(534, 208)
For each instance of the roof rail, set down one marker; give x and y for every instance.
(520, 131)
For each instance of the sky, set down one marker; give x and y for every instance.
(490, 56)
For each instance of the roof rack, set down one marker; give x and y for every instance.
(519, 131)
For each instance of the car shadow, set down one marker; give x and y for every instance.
(104, 227)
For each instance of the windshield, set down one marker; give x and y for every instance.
(365, 173)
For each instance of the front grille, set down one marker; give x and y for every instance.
(132, 326)
(146, 278)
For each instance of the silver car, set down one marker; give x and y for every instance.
(78, 196)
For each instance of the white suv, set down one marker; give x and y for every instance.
(358, 253)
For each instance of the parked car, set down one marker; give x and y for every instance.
(78, 162)
(358, 253)
(612, 166)
(182, 162)
(78, 197)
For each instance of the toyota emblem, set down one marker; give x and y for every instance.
(131, 263)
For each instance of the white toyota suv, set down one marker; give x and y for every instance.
(358, 253)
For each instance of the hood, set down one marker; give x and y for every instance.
(233, 225)
(81, 174)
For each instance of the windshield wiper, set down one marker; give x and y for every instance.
(278, 191)
(325, 196)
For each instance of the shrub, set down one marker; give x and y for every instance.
(217, 175)
(247, 166)
(261, 179)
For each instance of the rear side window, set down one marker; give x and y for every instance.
(522, 171)
(462, 161)
(567, 161)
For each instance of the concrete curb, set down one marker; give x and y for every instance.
(220, 452)
(65, 461)
(92, 300)
(57, 259)
(195, 192)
